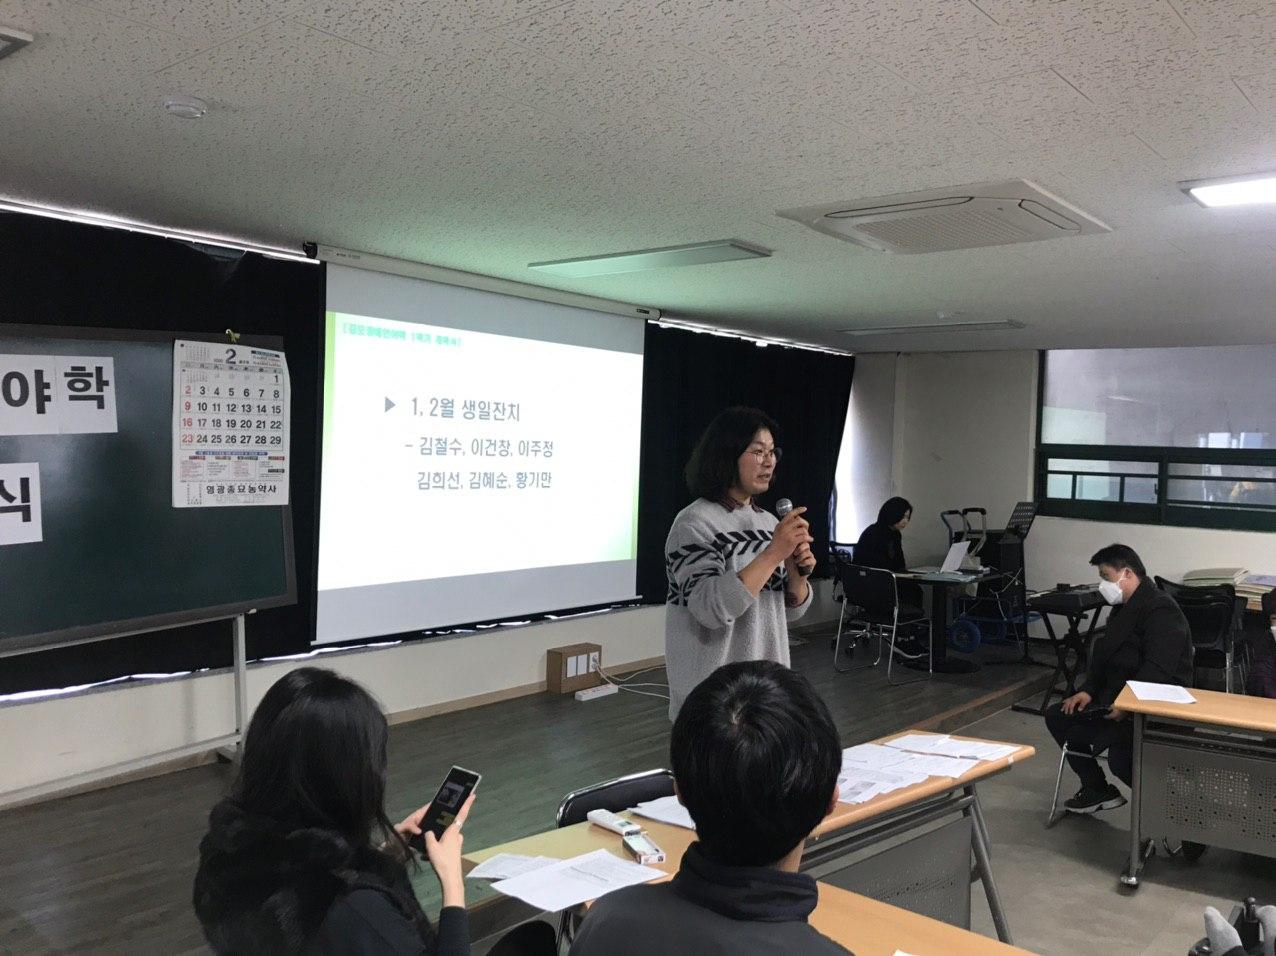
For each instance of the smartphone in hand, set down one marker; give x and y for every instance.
(456, 789)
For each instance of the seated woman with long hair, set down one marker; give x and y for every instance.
(300, 858)
(882, 546)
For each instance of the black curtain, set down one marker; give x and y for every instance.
(689, 377)
(59, 273)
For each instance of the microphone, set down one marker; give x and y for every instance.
(783, 507)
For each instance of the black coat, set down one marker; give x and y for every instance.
(265, 888)
(708, 910)
(881, 546)
(1147, 638)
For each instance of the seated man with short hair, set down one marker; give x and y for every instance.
(1146, 638)
(755, 761)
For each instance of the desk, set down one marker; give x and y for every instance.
(1204, 772)
(887, 847)
(940, 584)
(913, 846)
(866, 927)
(1072, 606)
(869, 928)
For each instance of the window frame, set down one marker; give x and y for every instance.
(1166, 511)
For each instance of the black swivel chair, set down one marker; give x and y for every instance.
(1215, 616)
(872, 597)
(614, 795)
(617, 796)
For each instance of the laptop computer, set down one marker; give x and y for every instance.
(952, 560)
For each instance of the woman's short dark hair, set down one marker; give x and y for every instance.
(756, 758)
(893, 511)
(714, 465)
(1120, 556)
(315, 756)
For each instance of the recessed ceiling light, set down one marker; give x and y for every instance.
(1247, 190)
(695, 254)
(11, 41)
(185, 107)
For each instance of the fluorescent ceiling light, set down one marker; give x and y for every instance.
(118, 222)
(1248, 190)
(666, 257)
(936, 327)
(759, 340)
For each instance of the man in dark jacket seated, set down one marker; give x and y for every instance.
(755, 760)
(1146, 638)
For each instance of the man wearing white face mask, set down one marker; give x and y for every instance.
(1146, 638)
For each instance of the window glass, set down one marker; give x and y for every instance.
(1215, 397)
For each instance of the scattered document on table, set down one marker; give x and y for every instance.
(666, 810)
(503, 866)
(859, 785)
(936, 766)
(568, 883)
(1169, 693)
(873, 755)
(871, 770)
(942, 745)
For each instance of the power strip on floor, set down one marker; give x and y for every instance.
(593, 693)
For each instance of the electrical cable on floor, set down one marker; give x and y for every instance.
(624, 684)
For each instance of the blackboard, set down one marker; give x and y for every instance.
(116, 556)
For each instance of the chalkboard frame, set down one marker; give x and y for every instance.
(107, 630)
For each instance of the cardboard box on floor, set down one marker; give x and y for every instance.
(568, 669)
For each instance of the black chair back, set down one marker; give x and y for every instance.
(1269, 604)
(841, 552)
(615, 795)
(1213, 614)
(871, 589)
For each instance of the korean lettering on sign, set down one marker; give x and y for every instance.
(20, 518)
(57, 395)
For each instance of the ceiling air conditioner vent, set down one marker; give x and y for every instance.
(938, 220)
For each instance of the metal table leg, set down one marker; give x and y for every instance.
(979, 821)
(1131, 875)
(1060, 649)
(979, 843)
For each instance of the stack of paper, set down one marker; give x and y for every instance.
(1253, 587)
(666, 810)
(503, 866)
(1167, 693)
(873, 755)
(871, 770)
(568, 883)
(944, 746)
(1204, 577)
(858, 784)
(939, 766)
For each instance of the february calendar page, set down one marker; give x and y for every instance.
(230, 425)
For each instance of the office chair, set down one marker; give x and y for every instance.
(1056, 814)
(841, 555)
(1215, 616)
(615, 795)
(874, 594)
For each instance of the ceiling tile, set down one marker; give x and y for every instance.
(204, 22)
(936, 45)
(485, 134)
